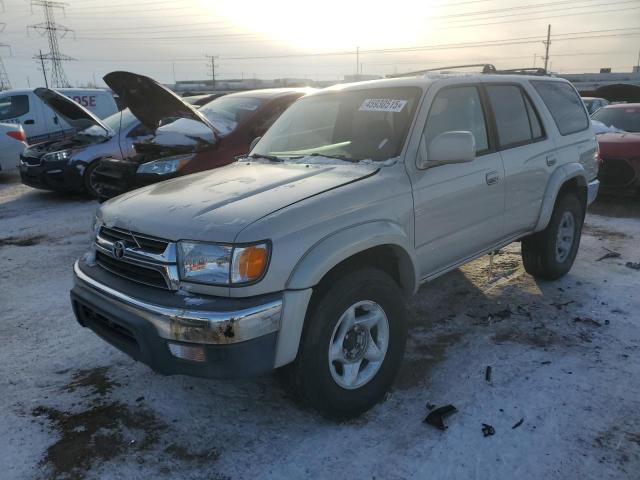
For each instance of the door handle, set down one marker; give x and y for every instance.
(30, 121)
(492, 178)
(551, 160)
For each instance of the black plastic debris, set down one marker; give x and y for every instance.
(518, 423)
(430, 406)
(488, 430)
(139, 399)
(564, 304)
(546, 362)
(609, 254)
(633, 265)
(587, 321)
(436, 417)
(487, 374)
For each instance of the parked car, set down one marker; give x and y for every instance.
(302, 254)
(619, 140)
(12, 144)
(594, 103)
(40, 123)
(67, 164)
(197, 140)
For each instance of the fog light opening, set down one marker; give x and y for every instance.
(193, 353)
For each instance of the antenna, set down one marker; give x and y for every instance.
(52, 30)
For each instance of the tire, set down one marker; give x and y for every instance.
(315, 380)
(86, 179)
(544, 254)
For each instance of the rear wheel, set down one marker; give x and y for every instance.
(550, 254)
(352, 346)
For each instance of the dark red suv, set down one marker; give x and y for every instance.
(186, 140)
(618, 134)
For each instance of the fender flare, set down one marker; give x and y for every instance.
(558, 178)
(343, 244)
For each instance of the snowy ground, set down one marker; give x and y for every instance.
(565, 358)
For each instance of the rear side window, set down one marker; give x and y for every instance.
(565, 106)
(457, 108)
(516, 121)
(13, 106)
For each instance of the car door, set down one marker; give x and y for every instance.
(458, 207)
(527, 154)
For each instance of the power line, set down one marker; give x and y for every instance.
(51, 29)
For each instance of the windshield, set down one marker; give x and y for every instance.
(622, 118)
(114, 123)
(225, 113)
(352, 125)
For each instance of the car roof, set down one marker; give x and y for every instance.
(424, 80)
(622, 105)
(268, 93)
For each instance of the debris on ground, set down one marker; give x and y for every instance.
(587, 321)
(609, 254)
(487, 374)
(500, 314)
(518, 423)
(564, 304)
(436, 417)
(430, 406)
(634, 265)
(488, 430)
(546, 362)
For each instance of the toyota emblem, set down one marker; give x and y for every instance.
(118, 249)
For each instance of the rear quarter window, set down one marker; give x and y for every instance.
(565, 105)
(13, 106)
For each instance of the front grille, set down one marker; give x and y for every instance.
(131, 271)
(30, 160)
(132, 240)
(616, 172)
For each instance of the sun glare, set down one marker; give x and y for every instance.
(331, 24)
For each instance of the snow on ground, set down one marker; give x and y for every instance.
(565, 358)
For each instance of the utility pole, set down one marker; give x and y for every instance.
(546, 50)
(212, 59)
(44, 69)
(52, 29)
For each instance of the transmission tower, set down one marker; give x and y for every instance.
(52, 30)
(5, 84)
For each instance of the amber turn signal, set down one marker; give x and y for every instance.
(249, 263)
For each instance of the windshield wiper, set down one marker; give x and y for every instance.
(273, 158)
(337, 157)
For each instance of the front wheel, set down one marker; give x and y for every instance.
(550, 254)
(352, 345)
(88, 179)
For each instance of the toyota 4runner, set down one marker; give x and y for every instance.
(300, 255)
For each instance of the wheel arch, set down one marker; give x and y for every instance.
(571, 177)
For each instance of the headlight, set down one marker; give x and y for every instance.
(220, 264)
(57, 156)
(165, 166)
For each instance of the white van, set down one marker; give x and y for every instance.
(40, 123)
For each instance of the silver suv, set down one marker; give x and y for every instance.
(299, 256)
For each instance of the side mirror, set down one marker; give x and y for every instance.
(446, 148)
(253, 143)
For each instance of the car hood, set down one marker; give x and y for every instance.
(216, 205)
(74, 114)
(151, 102)
(619, 145)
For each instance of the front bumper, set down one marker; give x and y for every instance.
(592, 191)
(227, 338)
(58, 176)
(114, 177)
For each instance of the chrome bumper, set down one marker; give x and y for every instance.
(194, 326)
(592, 191)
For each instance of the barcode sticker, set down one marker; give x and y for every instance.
(382, 105)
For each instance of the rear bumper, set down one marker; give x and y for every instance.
(592, 191)
(240, 342)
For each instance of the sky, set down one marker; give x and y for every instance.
(170, 39)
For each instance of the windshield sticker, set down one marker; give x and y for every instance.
(382, 105)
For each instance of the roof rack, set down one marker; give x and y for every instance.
(487, 68)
